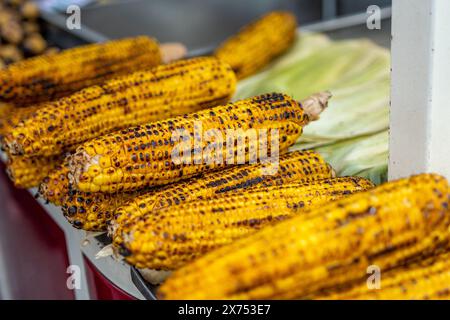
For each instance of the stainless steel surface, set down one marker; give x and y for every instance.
(208, 26)
(199, 24)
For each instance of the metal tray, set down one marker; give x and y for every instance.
(147, 289)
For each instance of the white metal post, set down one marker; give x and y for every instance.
(420, 91)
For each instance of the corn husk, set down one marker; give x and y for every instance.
(352, 133)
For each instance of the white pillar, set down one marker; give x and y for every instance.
(420, 90)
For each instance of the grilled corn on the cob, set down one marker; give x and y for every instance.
(325, 246)
(171, 237)
(28, 172)
(298, 166)
(425, 279)
(258, 43)
(142, 156)
(143, 96)
(48, 77)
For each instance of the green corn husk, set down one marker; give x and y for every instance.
(352, 132)
(365, 156)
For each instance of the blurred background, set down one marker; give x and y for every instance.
(199, 24)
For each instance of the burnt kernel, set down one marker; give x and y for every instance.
(77, 224)
(72, 210)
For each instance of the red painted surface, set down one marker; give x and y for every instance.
(100, 288)
(32, 247)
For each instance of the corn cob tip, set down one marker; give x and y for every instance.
(80, 162)
(332, 171)
(172, 51)
(315, 104)
(13, 145)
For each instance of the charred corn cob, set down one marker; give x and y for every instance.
(171, 237)
(298, 166)
(258, 43)
(48, 77)
(92, 211)
(425, 279)
(29, 172)
(143, 156)
(143, 96)
(324, 247)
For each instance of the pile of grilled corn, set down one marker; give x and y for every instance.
(93, 128)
